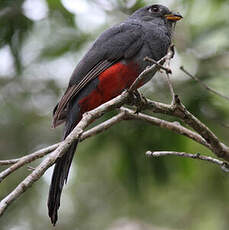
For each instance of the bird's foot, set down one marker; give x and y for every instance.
(140, 101)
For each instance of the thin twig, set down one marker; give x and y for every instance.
(148, 73)
(32, 156)
(167, 66)
(224, 165)
(9, 162)
(30, 168)
(170, 88)
(167, 70)
(25, 160)
(203, 84)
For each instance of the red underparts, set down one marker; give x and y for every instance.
(111, 83)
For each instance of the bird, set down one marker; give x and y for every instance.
(110, 66)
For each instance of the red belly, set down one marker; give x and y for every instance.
(111, 83)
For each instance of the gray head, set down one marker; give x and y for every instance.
(156, 14)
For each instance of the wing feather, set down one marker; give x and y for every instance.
(60, 109)
(116, 43)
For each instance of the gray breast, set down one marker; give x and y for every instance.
(157, 40)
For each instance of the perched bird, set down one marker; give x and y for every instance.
(111, 65)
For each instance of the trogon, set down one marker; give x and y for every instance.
(110, 66)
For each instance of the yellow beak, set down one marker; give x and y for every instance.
(173, 17)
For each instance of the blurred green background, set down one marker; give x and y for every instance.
(112, 185)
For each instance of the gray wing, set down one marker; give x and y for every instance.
(116, 43)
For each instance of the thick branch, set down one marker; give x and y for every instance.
(179, 110)
(75, 134)
(126, 114)
(203, 136)
(173, 126)
(63, 146)
(103, 126)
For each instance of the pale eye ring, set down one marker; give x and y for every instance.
(154, 9)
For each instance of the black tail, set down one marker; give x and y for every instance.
(59, 176)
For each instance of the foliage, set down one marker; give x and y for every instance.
(112, 178)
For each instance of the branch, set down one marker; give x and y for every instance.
(167, 64)
(75, 134)
(9, 162)
(18, 163)
(202, 134)
(125, 114)
(167, 70)
(103, 126)
(63, 146)
(223, 165)
(173, 126)
(178, 110)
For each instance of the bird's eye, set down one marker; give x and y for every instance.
(154, 9)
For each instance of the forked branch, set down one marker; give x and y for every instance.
(201, 134)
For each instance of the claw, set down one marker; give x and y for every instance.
(140, 104)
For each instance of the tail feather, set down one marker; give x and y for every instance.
(60, 175)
